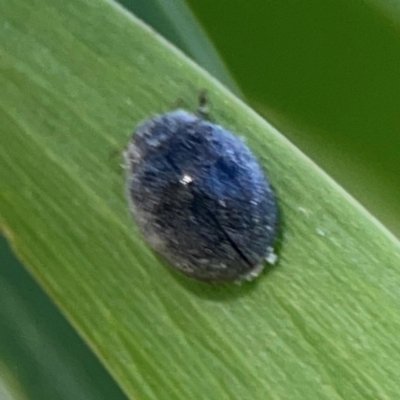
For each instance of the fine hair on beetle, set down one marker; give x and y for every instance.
(199, 196)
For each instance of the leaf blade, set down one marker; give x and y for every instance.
(62, 202)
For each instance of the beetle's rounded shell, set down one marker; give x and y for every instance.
(200, 197)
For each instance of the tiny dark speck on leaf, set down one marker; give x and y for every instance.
(199, 197)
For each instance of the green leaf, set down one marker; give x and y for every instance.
(175, 22)
(9, 386)
(41, 354)
(76, 77)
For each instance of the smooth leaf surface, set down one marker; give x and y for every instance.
(322, 324)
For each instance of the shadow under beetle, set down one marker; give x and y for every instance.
(199, 197)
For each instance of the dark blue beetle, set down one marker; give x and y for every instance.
(200, 197)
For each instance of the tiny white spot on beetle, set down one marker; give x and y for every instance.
(186, 179)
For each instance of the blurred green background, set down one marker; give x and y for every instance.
(326, 74)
